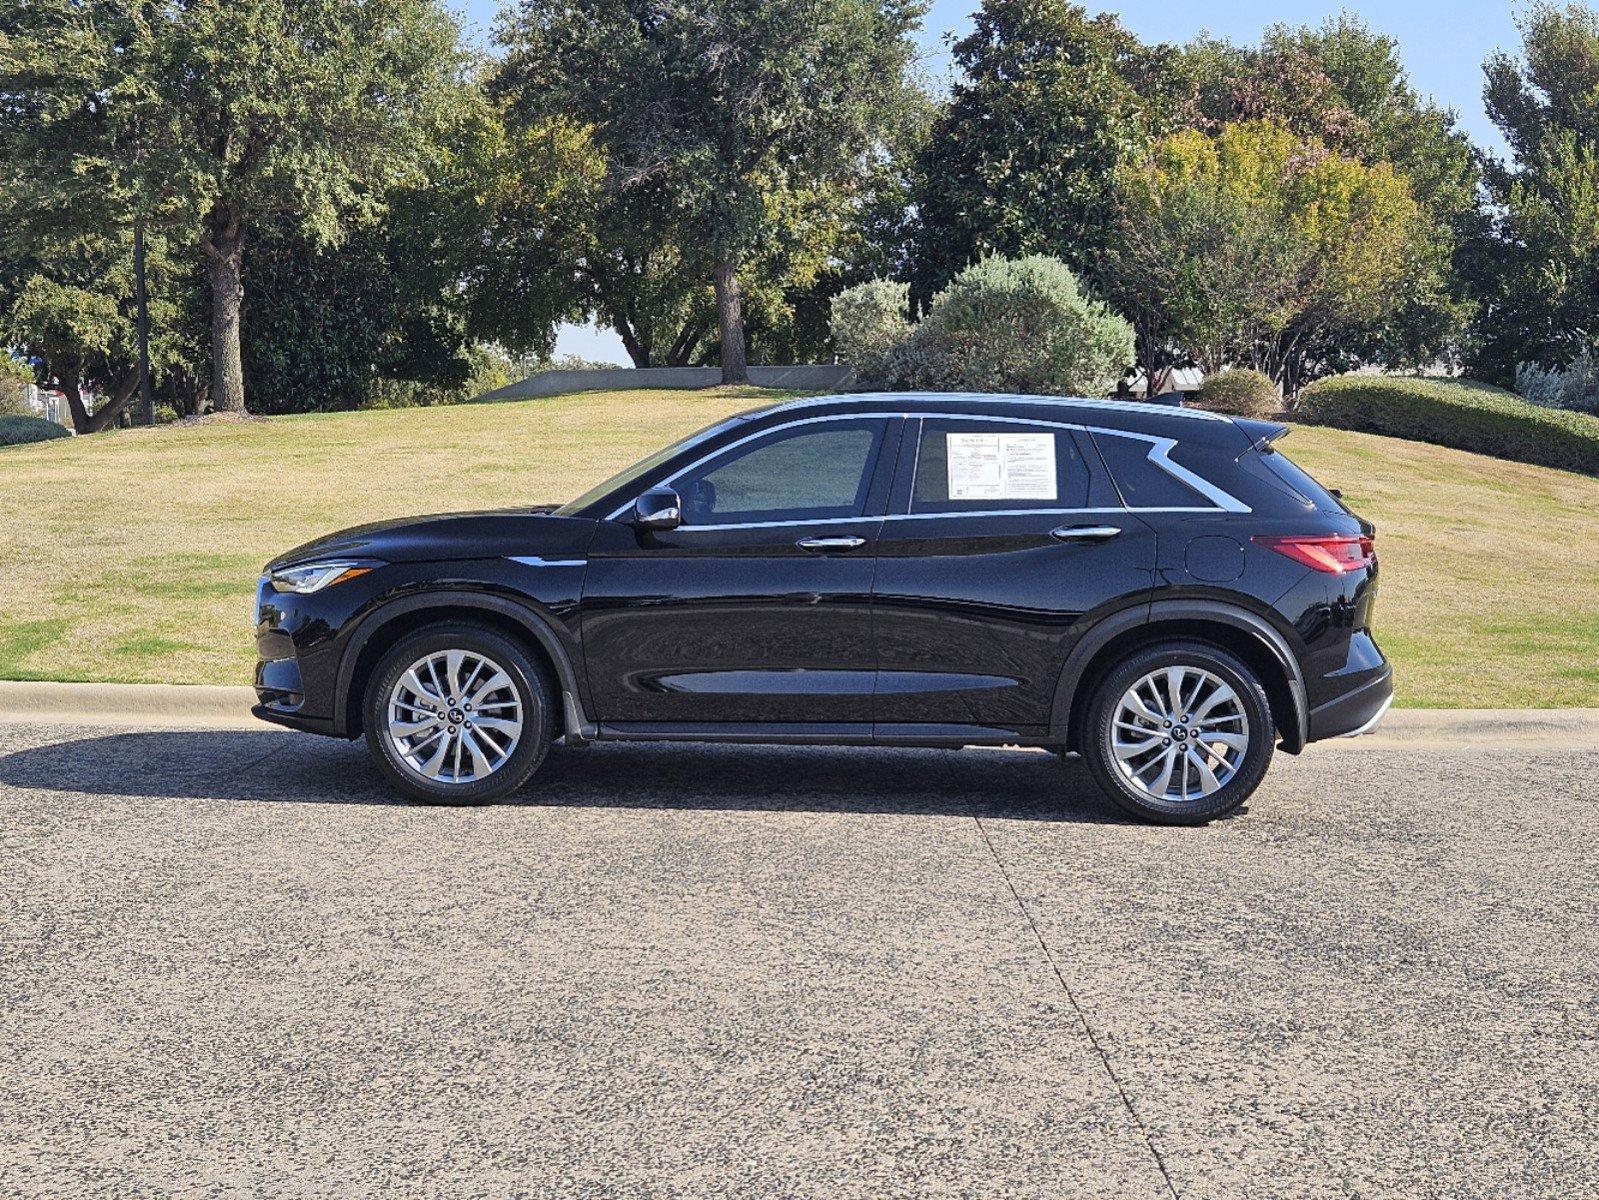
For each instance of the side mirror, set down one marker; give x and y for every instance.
(658, 509)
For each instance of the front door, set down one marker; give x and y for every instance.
(757, 609)
(1006, 541)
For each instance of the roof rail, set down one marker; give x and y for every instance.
(1103, 405)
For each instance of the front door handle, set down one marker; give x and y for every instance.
(1085, 533)
(822, 545)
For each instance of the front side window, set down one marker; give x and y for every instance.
(988, 466)
(818, 471)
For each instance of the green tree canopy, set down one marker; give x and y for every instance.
(208, 118)
(1538, 271)
(1049, 104)
(1258, 246)
(715, 119)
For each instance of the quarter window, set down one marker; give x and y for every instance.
(987, 466)
(818, 471)
(1144, 484)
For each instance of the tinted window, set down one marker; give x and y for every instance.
(1299, 482)
(984, 466)
(814, 471)
(1142, 483)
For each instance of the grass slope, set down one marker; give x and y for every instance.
(133, 555)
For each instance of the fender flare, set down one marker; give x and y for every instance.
(1113, 626)
(535, 624)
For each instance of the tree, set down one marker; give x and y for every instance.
(711, 113)
(1344, 86)
(1257, 246)
(1050, 103)
(210, 118)
(1537, 270)
(68, 306)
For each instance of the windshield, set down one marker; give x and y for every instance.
(644, 466)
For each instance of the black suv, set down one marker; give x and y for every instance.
(1156, 589)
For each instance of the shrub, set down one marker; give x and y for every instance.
(1575, 386)
(1019, 325)
(869, 322)
(1022, 325)
(14, 380)
(1457, 413)
(1239, 392)
(19, 431)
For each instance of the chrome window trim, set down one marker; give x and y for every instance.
(1159, 454)
(759, 433)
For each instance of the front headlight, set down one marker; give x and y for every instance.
(314, 576)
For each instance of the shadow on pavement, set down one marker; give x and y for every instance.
(272, 767)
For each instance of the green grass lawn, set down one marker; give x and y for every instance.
(132, 556)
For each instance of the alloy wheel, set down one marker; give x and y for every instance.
(454, 717)
(1179, 734)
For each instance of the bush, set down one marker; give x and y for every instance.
(1021, 325)
(869, 322)
(1574, 387)
(1456, 413)
(1239, 392)
(14, 381)
(19, 431)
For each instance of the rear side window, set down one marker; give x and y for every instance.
(1143, 483)
(988, 466)
(1298, 481)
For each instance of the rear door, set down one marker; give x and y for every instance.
(1005, 540)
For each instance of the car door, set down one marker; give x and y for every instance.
(756, 610)
(1005, 540)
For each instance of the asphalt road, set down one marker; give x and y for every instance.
(231, 964)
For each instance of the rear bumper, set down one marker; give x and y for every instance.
(1356, 712)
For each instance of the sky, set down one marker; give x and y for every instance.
(1442, 45)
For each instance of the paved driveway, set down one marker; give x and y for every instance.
(232, 965)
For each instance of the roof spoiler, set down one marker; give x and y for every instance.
(1261, 434)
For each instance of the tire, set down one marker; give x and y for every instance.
(1237, 741)
(526, 697)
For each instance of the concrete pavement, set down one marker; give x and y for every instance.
(232, 964)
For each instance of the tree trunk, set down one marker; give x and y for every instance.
(225, 252)
(637, 349)
(730, 321)
(70, 387)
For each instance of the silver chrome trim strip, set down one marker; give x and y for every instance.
(1371, 725)
(1159, 453)
(533, 560)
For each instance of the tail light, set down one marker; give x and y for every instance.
(1336, 554)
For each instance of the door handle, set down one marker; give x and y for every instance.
(1085, 533)
(821, 545)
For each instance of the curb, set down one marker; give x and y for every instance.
(146, 704)
(197, 706)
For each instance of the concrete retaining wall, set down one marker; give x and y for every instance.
(812, 377)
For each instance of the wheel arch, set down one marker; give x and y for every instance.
(384, 627)
(1228, 627)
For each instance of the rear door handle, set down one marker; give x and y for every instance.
(1085, 533)
(821, 545)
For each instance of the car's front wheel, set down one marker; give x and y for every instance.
(458, 713)
(1179, 734)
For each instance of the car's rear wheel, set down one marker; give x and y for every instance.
(458, 713)
(1180, 733)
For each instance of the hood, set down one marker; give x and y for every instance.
(453, 537)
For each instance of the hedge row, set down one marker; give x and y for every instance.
(19, 431)
(1456, 413)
